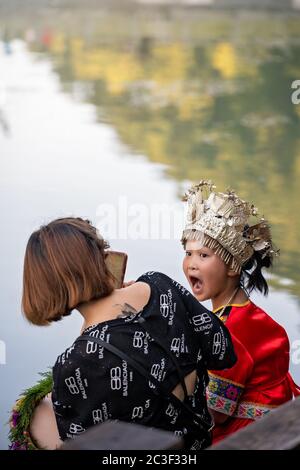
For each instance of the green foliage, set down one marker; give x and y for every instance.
(23, 410)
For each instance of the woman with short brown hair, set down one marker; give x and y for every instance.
(64, 267)
(143, 352)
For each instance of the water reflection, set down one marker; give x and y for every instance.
(212, 99)
(206, 95)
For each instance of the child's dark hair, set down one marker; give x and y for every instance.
(252, 277)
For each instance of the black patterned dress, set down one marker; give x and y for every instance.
(92, 384)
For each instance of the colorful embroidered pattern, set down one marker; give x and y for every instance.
(223, 395)
(220, 404)
(252, 410)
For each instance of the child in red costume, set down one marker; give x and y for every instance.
(224, 260)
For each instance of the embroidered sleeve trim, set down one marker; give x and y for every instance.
(223, 395)
(249, 410)
(222, 405)
(218, 378)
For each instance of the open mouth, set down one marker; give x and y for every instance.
(196, 283)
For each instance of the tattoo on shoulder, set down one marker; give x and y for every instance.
(126, 310)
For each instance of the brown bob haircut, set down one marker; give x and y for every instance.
(64, 266)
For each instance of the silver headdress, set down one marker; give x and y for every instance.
(221, 221)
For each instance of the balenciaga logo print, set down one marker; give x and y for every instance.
(172, 413)
(157, 371)
(100, 415)
(76, 429)
(62, 359)
(164, 305)
(91, 346)
(138, 412)
(141, 341)
(217, 344)
(182, 289)
(115, 378)
(202, 322)
(119, 378)
(76, 384)
(178, 345)
(167, 306)
(71, 384)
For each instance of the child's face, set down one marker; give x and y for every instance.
(206, 272)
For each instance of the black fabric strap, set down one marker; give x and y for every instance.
(142, 323)
(124, 356)
(159, 391)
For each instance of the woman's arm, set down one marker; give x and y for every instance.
(215, 339)
(43, 428)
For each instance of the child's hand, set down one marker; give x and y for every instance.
(127, 284)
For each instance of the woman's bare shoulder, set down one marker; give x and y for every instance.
(140, 289)
(137, 294)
